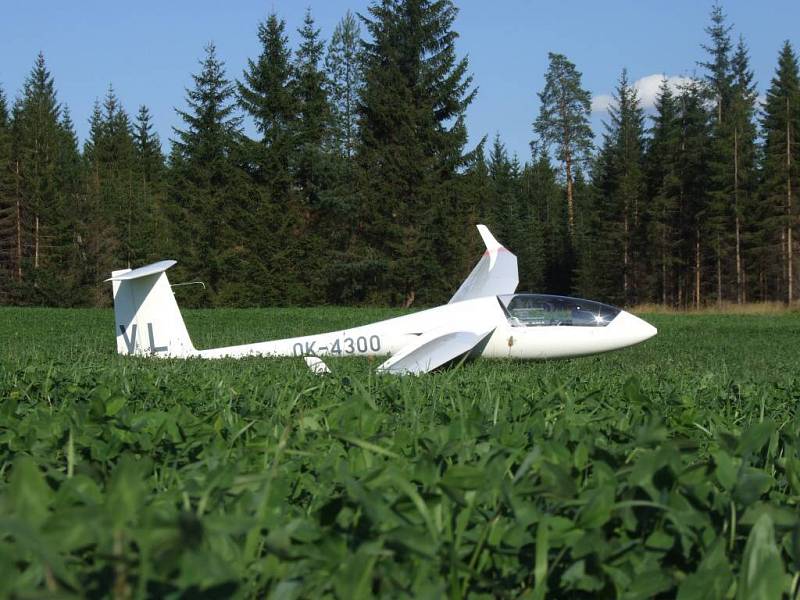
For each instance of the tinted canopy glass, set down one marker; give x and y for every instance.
(531, 310)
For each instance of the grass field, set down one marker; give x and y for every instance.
(671, 468)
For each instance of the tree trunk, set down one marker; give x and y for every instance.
(36, 244)
(739, 289)
(570, 204)
(697, 269)
(789, 249)
(663, 266)
(19, 227)
(719, 272)
(625, 256)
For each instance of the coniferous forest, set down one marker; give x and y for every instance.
(358, 186)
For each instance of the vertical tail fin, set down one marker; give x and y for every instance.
(148, 321)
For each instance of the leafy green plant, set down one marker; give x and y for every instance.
(670, 469)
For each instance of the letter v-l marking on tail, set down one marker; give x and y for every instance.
(129, 342)
(153, 347)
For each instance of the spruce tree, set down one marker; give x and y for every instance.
(626, 127)
(313, 111)
(563, 122)
(266, 94)
(719, 78)
(617, 228)
(10, 244)
(504, 186)
(150, 187)
(411, 150)
(692, 166)
(720, 215)
(97, 230)
(36, 138)
(537, 187)
(746, 218)
(214, 220)
(117, 162)
(72, 287)
(664, 190)
(150, 160)
(344, 81)
(781, 169)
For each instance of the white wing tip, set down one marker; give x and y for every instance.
(488, 238)
(316, 365)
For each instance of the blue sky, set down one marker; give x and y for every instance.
(149, 49)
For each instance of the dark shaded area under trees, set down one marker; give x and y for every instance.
(359, 187)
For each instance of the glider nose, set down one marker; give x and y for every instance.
(632, 330)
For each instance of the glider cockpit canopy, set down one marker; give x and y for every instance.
(541, 310)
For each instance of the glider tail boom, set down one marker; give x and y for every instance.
(148, 321)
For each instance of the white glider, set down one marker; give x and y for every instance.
(485, 317)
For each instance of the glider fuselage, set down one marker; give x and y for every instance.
(507, 340)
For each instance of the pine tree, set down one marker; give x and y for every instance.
(344, 80)
(781, 168)
(412, 137)
(563, 121)
(210, 202)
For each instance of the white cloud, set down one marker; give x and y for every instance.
(601, 102)
(647, 88)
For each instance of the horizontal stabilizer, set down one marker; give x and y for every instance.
(128, 275)
(433, 350)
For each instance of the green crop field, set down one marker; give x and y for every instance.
(668, 469)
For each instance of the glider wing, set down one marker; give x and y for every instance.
(495, 274)
(435, 349)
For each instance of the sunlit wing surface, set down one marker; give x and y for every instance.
(434, 349)
(495, 274)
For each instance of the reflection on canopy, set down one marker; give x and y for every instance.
(541, 310)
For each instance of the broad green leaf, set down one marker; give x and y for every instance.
(751, 485)
(29, 492)
(755, 437)
(127, 489)
(761, 576)
(712, 579)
